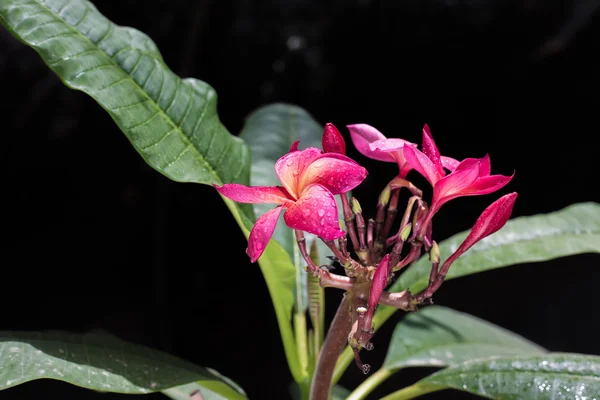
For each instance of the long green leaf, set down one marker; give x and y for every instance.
(102, 362)
(554, 376)
(172, 123)
(572, 230)
(438, 336)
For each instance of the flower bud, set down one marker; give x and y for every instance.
(332, 141)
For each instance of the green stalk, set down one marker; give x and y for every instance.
(369, 384)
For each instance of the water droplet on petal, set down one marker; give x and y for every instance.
(321, 213)
(322, 222)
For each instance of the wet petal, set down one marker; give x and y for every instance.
(336, 172)
(488, 184)
(289, 168)
(261, 233)
(315, 212)
(332, 140)
(491, 220)
(362, 136)
(431, 151)
(449, 163)
(253, 194)
(422, 164)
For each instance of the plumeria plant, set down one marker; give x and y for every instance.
(292, 199)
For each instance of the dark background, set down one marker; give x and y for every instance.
(94, 238)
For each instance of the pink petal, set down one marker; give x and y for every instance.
(485, 168)
(332, 140)
(449, 163)
(422, 164)
(315, 212)
(379, 282)
(362, 136)
(467, 163)
(453, 185)
(431, 150)
(491, 220)
(289, 168)
(294, 146)
(253, 194)
(261, 233)
(487, 184)
(336, 172)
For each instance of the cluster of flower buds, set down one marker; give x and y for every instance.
(311, 178)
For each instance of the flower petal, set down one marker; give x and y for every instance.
(338, 173)
(289, 168)
(332, 140)
(491, 220)
(422, 164)
(362, 136)
(453, 185)
(253, 194)
(315, 212)
(487, 184)
(485, 168)
(449, 163)
(261, 233)
(431, 151)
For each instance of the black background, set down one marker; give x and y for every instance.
(94, 238)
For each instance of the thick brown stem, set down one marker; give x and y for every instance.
(334, 344)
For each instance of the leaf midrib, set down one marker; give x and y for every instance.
(130, 78)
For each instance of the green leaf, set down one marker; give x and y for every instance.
(339, 392)
(280, 277)
(550, 376)
(102, 362)
(438, 336)
(572, 230)
(172, 123)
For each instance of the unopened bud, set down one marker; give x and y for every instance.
(405, 232)
(434, 253)
(384, 197)
(356, 208)
(332, 141)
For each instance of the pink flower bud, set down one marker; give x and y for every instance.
(333, 142)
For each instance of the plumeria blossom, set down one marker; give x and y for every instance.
(469, 177)
(373, 144)
(310, 180)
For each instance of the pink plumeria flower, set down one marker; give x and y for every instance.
(469, 177)
(491, 220)
(310, 180)
(373, 144)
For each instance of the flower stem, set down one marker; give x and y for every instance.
(412, 391)
(335, 341)
(369, 384)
